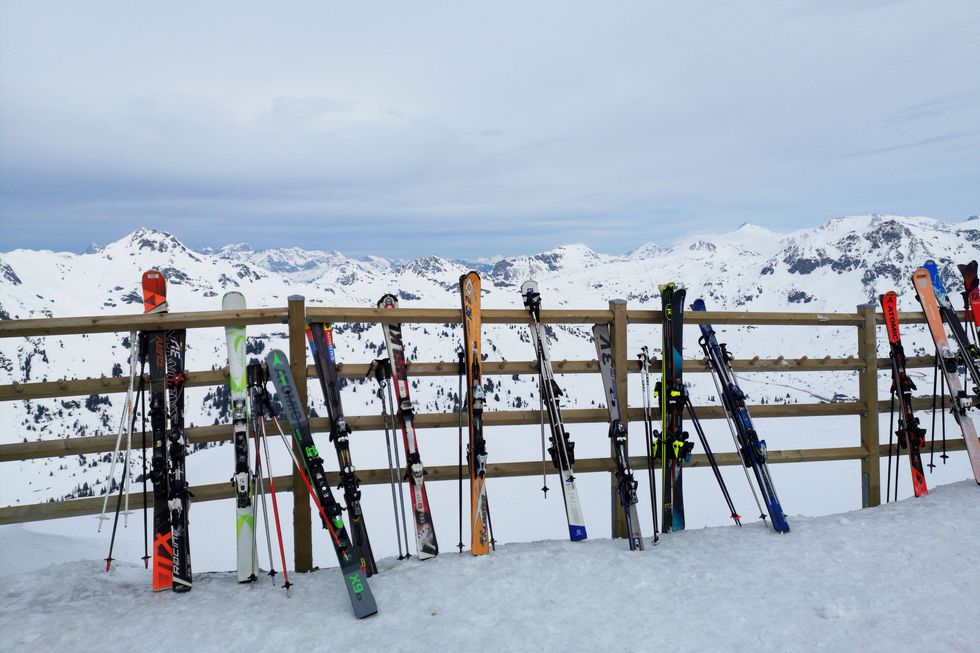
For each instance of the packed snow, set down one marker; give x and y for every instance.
(900, 577)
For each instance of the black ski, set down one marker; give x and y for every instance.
(673, 445)
(179, 494)
(752, 449)
(320, 338)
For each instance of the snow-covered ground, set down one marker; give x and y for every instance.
(901, 577)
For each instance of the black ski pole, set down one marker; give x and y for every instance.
(891, 426)
(711, 460)
(460, 370)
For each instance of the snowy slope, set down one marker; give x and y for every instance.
(896, 578)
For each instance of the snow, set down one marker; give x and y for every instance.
(901, 577)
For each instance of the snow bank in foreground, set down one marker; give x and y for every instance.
(896, 578)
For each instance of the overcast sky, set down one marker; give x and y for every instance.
(411, 128)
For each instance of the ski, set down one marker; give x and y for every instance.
(470, 288)
(243, 480)
(909, 433)
(619, 436)
(946, 360)
(155, 301)
(752, 450)
(674, 448)
(362, 600)
(971, 293)
(320, 338)
(562, 449)
(179, 493)
(968, 354)
(425, 534)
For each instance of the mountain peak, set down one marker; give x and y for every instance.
(646, 250)
(147, 238)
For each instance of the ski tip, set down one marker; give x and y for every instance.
(388, 300)
(233, 301)
(698, 305)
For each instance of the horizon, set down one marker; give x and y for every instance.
(474, 131)
(487, 259)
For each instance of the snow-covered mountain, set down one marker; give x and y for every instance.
(834, 267)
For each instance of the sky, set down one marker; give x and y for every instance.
(476, 129)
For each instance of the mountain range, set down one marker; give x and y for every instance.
(834, 267)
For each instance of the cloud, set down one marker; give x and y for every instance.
(516, 126)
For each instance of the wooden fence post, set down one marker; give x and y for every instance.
(620, 356)
(868, 396)
(302, 529)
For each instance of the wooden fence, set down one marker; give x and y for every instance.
(865, 363)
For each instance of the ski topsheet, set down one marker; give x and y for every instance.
(154, 301)
(469, 286)
(320, 337)
(968, 353)
(362, 600)
(242, 480)
(562, 449)
(752, 449)
(909, 433)
(425, 534)
(625, 482)
(179, 495)
(971, 293)
(674, 446)
(946, 358)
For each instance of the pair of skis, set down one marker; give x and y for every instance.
(476, 450)
(310, 465)
(171, 496)
(672, 444)
(751, 449)
(626, 483)
(938, 309)
(910, 435)
(562, 449)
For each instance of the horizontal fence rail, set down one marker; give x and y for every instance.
(119, 384)
(865, 364)
(95, 444)
(220, 491)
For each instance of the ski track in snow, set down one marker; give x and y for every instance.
(895, 578)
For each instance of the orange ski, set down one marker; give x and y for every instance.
(469, 285)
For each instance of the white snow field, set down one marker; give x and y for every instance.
(900, 577)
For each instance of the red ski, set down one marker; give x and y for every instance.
(425, 535)
(910, 434)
